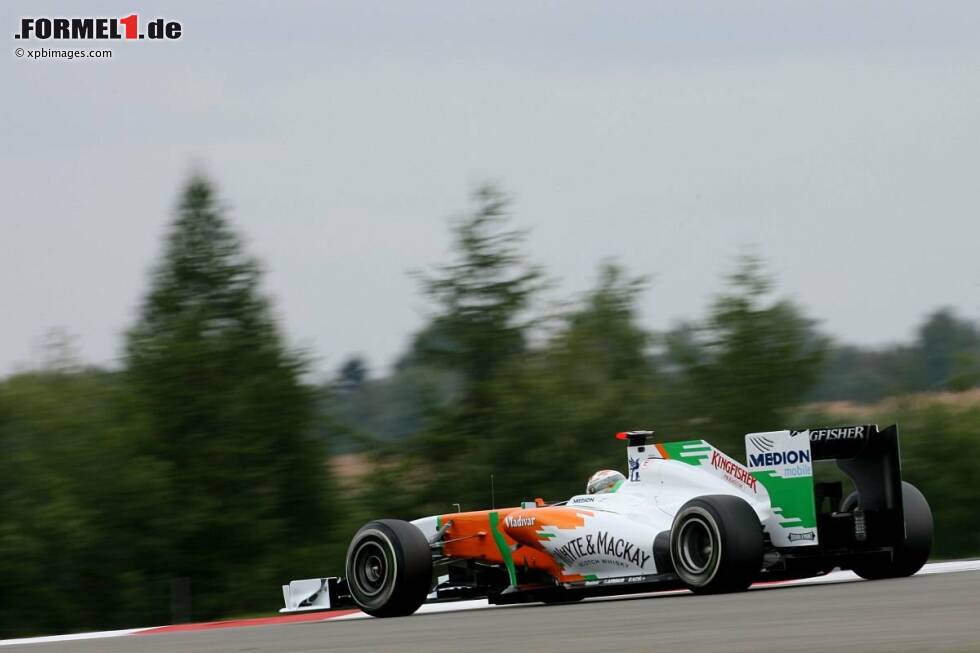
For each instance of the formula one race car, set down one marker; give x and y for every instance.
(688, 516)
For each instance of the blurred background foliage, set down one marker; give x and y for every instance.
(211, 467)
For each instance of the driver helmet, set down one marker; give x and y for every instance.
(604, 480)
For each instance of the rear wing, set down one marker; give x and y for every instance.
(872, 460)
(868, 456)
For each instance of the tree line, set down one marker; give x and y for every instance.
(196, 478)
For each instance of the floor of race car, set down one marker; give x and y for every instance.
(882, 592)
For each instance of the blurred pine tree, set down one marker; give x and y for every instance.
(230, 414)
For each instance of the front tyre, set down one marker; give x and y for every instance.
(389, 568)
(911, 553)
(716, 544)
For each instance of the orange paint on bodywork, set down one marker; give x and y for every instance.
(470, 537)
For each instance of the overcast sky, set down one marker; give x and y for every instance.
(840, 140)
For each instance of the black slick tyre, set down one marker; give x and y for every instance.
(911, 553)
(716, 544)
(389, 568)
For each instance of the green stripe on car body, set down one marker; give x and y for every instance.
(791, 498)
(505, 553)
(691, 452)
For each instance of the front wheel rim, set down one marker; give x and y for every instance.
(370, 568)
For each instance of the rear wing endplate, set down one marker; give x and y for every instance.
(872, 459)
(868, 456)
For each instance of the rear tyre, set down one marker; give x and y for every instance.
(911, 553)
(389, 568)
(716, 544)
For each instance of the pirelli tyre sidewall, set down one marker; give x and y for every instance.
(716, 544)
(389, 568)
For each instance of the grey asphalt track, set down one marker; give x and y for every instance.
(923, 613)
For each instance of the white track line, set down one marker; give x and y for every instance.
(481, 604)
(70, 638)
